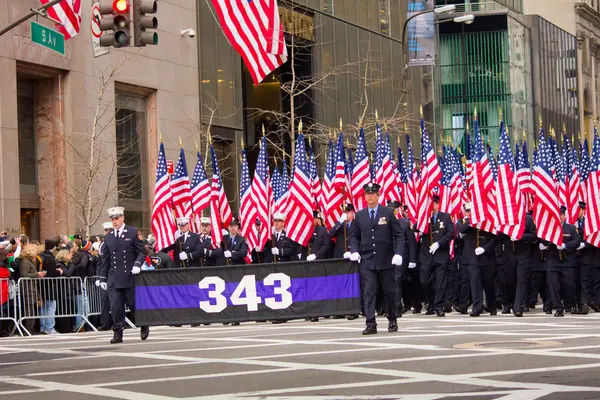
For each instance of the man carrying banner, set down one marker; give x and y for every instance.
(211, 257)
(187, 249)
(236, 247)
(122, 257)
(377, 243)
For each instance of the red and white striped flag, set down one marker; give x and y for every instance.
(412, 183)
(254, 30)
(361, 175)
(299, 223)
(482, 181)
(180, 187)
(68, 12)
(431, 173)
(592, 210)
(220, 212)
(247, 210)
(200, 192)
(259, 195)
(332, 199)
(163, 225)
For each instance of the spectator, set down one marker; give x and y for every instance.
(4, 295)
(78, 268)
(29, 293)
(49, 290)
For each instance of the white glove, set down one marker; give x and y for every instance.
(98, 282)
(561, 247)
(227, 254)
(275, 251)
(354, 257)
(177, 234)
(479, 251)
(434, 247)
(257, 249)
(183, 256)
(397, 260)
(347, 255)
(581, 246)
(135, 270)
(542, 247)
(412, 265)
(513, 238)
(343, 218)
(461, 235)
(311, 257)
(224, 232)
(103, 286)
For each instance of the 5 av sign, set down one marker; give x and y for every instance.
(47, 37)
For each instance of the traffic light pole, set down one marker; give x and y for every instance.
(30, 14)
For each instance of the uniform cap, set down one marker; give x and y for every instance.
(235, 222)
(116, 212)
(183, 221)
(279, 217)
(468, 206)
(107, 225)
(371, 188)
(393, 204)
(205, 220)
(349, 207)
(582, 204)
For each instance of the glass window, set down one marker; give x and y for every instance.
(130, 138)
(384, 17)
(27, 143)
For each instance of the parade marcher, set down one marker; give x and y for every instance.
(122, 258)
(236, 247)
(280, 248)
(507, 272)
(211, 257)
(320, 243)
(562, 265)
(411, 284)
(523, 252)
(588, 282)
(539, 283)
(434, 258)
(340, 231)
(106, 320)
(159, 259)
(463, 291)
(188, 251)
(377, 243)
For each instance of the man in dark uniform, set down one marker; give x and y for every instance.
(187, 249)
(211, 257)
(341, 232)
(588, 271)
(561, 270)
(236, 247)
(507, 271)
(122, 258)
(377, 243)
(411, 285)
(320, 243)
(523, 252)
(280, 248)
(479, 259)
(434, 258)
(539, 285)
(106, 320)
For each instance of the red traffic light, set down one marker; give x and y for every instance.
(121, 6)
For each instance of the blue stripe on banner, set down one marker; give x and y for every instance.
(302, 290)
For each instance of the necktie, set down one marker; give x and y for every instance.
(117, 234)
(372, 216)
(434, 218)
(231, 242)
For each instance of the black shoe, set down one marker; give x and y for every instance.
(195, 325)
(279, 321)
(261, 320)
(226, 323)
(144, 332)
(585, 309)
(532, 306)
(498, 305)
(594, 306)
(338, 317)
(235, 324)
(448, 308)
(494, 312)
(417, 311)
(316, 319)
(176, 326)
(475, 314)
(460, 310)
(405, 309)
(518, 314)
(352, 317)
(548, 310)
(116, 339)
(430, 312)
(486, 309)
(559, 314)
(369, 330)
(209, 324)
(440, 314)
(380, 312)
(505, 310)
(393, 326)
(327, 317)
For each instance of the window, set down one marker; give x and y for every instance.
(27, 143)
(384, 17)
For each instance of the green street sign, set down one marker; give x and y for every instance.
(47, 37)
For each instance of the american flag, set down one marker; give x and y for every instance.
(200, 192)
(285, 187)
(509, 200)
(180, 187)
(585, 165)
(469, 161)
(456, 191)
(572, 184)
(260, 196)
(412, 183)
(339, 182)
(332, 198)
(524, 174)
(254, 30)
(247, 209)
(559, 172)
(545, 208)
(592, 215)
(482, 180)
(277, 188)
(444, 188)
(299, 224)
(361, 174)
(396, 183)
(220, 212)
(402, 176)
(163, 225)
(314, 179)
(384, 174)
(68, 12)
(493, 162)
(431, 174)
(349, 169)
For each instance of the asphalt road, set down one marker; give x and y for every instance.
(458, 357)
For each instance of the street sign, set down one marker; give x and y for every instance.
(96, 32)
(47, 37)
(170, 167)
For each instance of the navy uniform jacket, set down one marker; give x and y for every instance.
(377, 242)
(474, 238)
(119, 256)
(212, 257)
(162, 260)
(566, 258)
(192, 247)
(320, 244)
(410, 243)
(341, 237)
(441, 232)
(288, 250)
(523, 248)
(238, 248)
(586, 255)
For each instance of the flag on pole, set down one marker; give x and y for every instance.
(220, 212)
(247, 209)
(259, 196)
(412, 183)
(200, 192)
(315, 181)
(402, 176)
(524, 175)
(572, 184)
(592, 211)
(431, 175)
(339, 182)
(394, 177)
(180, 187)
(361, 174)
(299, 223)
(68, 12)
(163, 225)
(482, 180)
(277, 189)
(332, 199)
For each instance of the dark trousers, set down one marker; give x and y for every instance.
(452, 283)
(507, 275)
(561, 278)
(464, 287)
(370, 280)
(488, 278)
(399, 272)
(105, 317)
(476, 285)
(118, 299)
(434, 279)
(523, 278)
(411, 288)
(589, 283)
(539, 286)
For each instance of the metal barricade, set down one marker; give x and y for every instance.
(8, 306)
(49, 298)
(94, 296)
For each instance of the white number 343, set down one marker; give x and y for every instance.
(216, 287)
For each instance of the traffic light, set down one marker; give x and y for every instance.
(142, 22)
(116, 18)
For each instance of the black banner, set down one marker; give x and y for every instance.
(247, 292)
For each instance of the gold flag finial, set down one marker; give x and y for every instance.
(500, 113)
(160, 136)
(360, 122)
(385, 126)
(341, 125)
(475, 112)
(196, 146)
(180, 142)
(421, 110)
(309, 141)
(442, 137)
(405, 127)
(594, 121)
(242, 143)
(524, 135)
(564, 128)
(467, 126)
(263, 130)
(300, 126)
(376, 115)
(450, 141)
(541, 121)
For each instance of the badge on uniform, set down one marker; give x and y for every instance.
(382, 221)
(441, 225)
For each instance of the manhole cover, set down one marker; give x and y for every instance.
(515, 344)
